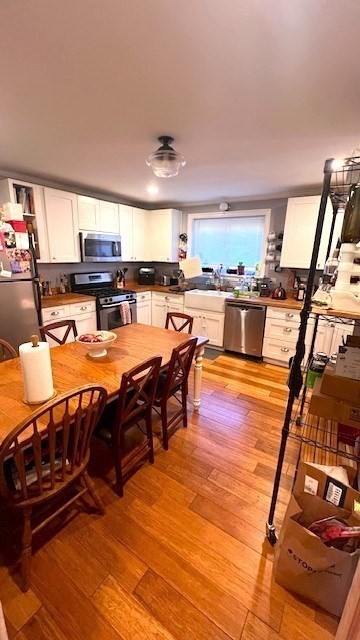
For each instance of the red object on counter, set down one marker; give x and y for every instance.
(19, 226)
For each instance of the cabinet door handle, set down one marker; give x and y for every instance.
(284, 349)
(142, 297)
(54, 313)
(287, 329)
(83, 308)
(167, 298)
(289, 315)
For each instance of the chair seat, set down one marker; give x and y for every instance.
(159, 393)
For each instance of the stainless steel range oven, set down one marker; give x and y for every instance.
(100, 247)
(109, 312)
(108, 299)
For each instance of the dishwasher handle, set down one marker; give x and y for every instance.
(245, 307)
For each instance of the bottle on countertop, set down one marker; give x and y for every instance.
(62, 288)
(300, 293)
(48, 288)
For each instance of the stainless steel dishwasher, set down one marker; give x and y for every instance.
(244, 328)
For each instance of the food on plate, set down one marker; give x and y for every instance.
(91, 337)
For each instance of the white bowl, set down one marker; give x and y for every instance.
(98, 349)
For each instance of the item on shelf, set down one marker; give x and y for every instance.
(348, 362)
(270, 257)
(48, 288)
(13, 211)
(35, 357)
(347, 389)
(305, 564)
(350, 232)
(271, 236)
(332, 408)
(315, 371)
(279, 293)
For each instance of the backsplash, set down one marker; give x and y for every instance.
(53, 272)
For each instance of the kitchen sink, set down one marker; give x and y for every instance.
(206, 300)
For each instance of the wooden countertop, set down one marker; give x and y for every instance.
(57, 300)
(289, 303)
(158, 288)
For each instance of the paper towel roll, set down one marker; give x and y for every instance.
(36, 372)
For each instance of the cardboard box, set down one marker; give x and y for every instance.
(340, 387)
(348, 362)
(333, 409)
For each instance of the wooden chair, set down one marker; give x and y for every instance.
(7, 352)
(45, 454)
(47, 330)
(175, 381)
(134, 404)
(171, 318)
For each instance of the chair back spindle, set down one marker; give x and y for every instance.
(47, 331)
(179, 322)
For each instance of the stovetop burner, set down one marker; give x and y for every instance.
(105, 293)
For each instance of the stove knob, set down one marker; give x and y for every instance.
(106, 300)
(110, 299)
(127, 297)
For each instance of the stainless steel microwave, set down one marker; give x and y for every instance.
(100, 247)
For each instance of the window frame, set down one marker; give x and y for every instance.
(245, 213)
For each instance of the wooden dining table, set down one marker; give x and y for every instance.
(72, 367)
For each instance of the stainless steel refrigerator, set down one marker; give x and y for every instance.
(20, 302)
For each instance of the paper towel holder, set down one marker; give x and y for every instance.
(35, 340)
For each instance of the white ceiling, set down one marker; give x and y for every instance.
(257, 93)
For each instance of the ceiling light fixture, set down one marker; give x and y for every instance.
(165, 162)
(153, 189)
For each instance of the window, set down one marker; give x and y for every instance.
(229, 239)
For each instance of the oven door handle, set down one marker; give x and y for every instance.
(117, 304)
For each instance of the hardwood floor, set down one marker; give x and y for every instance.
(183, 555)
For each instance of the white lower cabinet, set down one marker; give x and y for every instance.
(143, 308)
(281, 334)
(84, 315)
(163, 303)
(209, 325)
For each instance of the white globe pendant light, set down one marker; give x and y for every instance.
(165, 162)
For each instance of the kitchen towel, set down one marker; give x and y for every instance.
(36, 372)
(125, 312)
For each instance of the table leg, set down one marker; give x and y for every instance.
(197, 379)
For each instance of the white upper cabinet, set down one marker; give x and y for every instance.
(125, 215)
(10, 191)
(299, 233)
(141, 241)
(62, 225)
(109, 217)
(98, 215)
(134, 231)
(164, 235)
(89, 214)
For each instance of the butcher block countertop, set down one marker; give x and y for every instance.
(158, 288)
(289, 303)
(58, 299)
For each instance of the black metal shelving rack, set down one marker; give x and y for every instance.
(338, 177)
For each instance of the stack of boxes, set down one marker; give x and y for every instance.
(335, 406)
